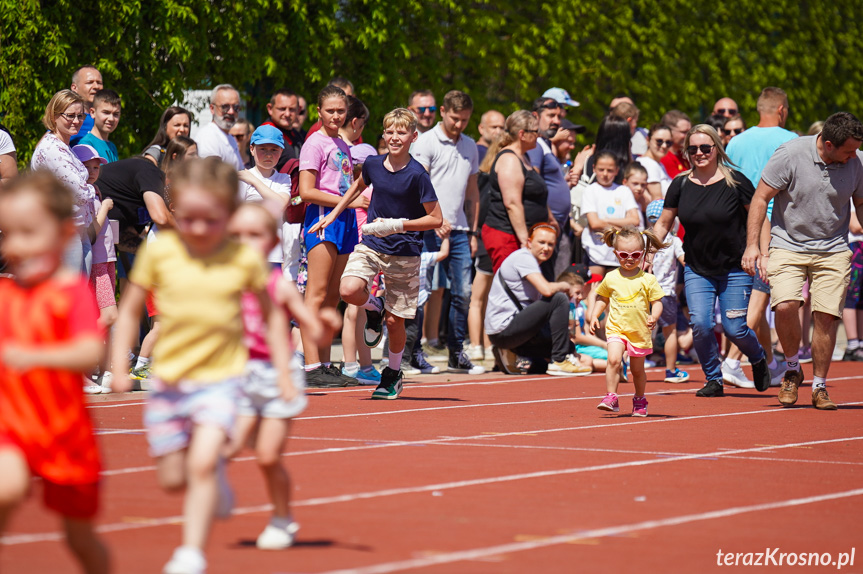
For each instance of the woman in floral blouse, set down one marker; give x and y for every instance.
(63, 117)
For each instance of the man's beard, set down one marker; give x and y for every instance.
(224, 123)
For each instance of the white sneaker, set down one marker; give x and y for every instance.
(409, 371)
(186, 560)
(106, 380)
(225, 502)
(777, 374)
(568, 367)
(736, 377)
(90, 387)
(474, 353)
(276, 538)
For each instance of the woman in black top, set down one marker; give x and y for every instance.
(712, 201)
(518, 197)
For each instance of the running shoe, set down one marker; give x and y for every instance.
(320, 378)
(336, 372)
(459, 363)
(853, 354)
(676, 376)
(105, 381)
(186, 560)
(374, 329)
(418, 361)
(407, 370)
(276, 537)
(639, 406)
(568, 367)
(804, 355)
(735, 376)
(711, 389)
(761, 375)
(141, 373)
(391, 385)
(474, 353)
(609, 403)
(370, 377)
(90, 387)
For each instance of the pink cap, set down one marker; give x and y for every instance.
(86, 152)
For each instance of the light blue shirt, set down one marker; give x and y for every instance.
(751, 150)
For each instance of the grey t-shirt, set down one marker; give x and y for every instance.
(812, 211)
(514, 270)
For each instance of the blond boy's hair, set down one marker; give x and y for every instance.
(210, 174)
(401, 118)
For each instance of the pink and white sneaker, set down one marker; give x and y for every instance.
(639, 406)
(609, 403)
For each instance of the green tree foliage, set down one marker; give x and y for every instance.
(665, 54)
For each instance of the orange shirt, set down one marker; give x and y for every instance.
(42, 411)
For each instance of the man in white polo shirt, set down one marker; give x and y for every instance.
(452, 160)
(215, 139)
(814, 181)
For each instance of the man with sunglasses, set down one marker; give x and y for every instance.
(215, 139)
(725, 107)
(422, 104)
(814, 179)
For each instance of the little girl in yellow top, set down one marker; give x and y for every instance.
(634, 299)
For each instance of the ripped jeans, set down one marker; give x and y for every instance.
(733, 291)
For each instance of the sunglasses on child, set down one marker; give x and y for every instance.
(703, 148)
(629, 254)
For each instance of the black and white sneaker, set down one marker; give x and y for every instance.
(391, 385)
(374, 328)
(337, 373)
(460, 363)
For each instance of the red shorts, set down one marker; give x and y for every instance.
(151, 305)
(79, 501)
(499, 245)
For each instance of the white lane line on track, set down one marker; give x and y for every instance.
(15, 539)
(479, 553)
(451, 439)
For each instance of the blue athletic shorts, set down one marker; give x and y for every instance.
(342, 232)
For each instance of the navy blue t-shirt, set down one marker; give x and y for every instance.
(397, 195)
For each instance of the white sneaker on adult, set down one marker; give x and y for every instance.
(186, 560)
(736, 376)
(276, 537)
(474, 353)
(90, 387)
(105, 381)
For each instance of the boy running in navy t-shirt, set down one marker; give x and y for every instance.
(402, 206)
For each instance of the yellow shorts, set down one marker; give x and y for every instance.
(828, 275)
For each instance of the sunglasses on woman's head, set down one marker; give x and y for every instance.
(735, 131)
(629, 254)
(663, 143)
(703, 148)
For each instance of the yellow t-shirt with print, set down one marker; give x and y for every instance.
(629, 300)
(198, 301)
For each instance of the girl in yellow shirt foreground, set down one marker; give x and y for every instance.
(634, 299)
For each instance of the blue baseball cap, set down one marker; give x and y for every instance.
(266, 134)
(560, 96)
(654, 210)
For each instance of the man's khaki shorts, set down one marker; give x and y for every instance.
(828, 275)
(401, 277)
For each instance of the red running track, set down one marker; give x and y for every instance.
(505, 474)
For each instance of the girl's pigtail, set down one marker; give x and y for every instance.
(608, 236)
(652, 242)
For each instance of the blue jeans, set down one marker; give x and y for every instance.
(457, 268)
(733, 291)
